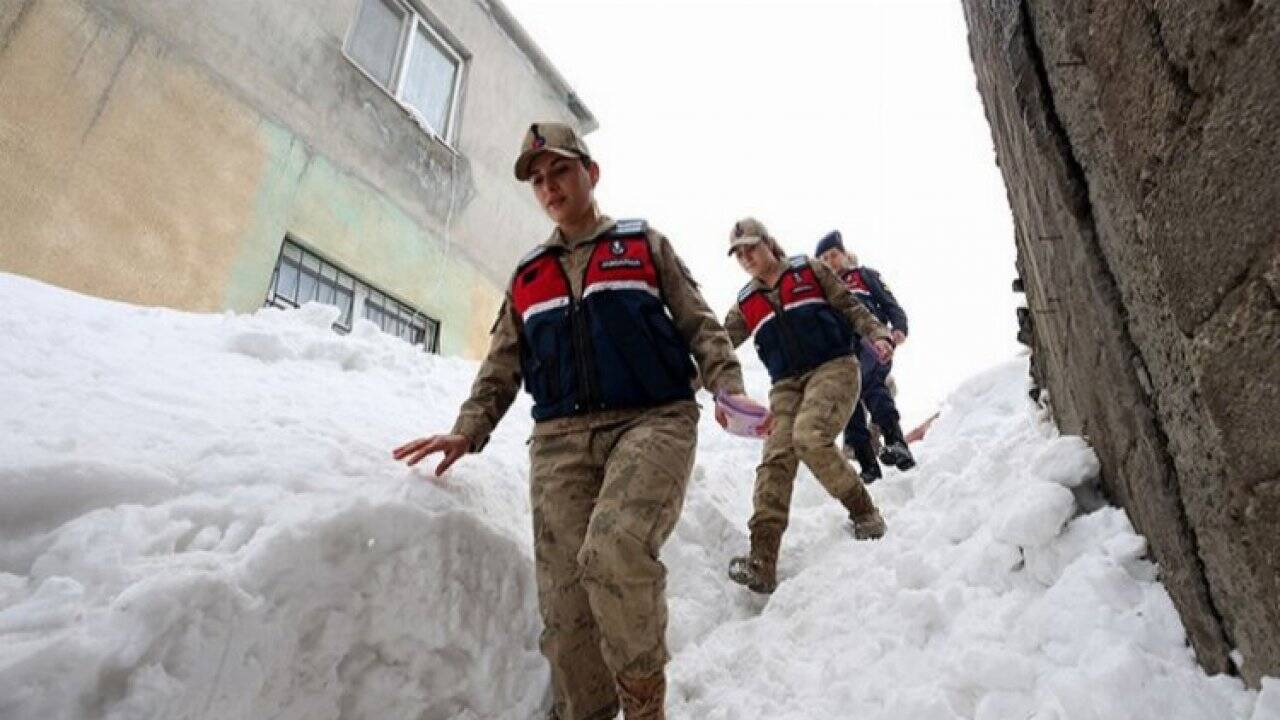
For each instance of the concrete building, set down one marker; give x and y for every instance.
(223, 155)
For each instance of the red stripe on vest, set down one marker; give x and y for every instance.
(621, 260)
(540, 282)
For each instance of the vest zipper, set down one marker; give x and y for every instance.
(790, 347)
(588, 383)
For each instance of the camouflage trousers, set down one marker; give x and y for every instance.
(809, 411)
(604, 501)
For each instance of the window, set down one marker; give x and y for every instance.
(398, 49)
(301, 277)
(398, 319)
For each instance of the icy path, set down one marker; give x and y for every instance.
(199, 519)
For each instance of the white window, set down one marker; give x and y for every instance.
(400, 50)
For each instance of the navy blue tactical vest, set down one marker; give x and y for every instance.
(805, 334)
(615, 347)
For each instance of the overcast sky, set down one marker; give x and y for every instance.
(857, 115)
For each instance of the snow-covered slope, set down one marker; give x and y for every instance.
(199, 518)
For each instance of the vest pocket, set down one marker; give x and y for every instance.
(548, 350)
(769, 348)
(833, 329)
(642, 359)
(670, 348)
(551, 370)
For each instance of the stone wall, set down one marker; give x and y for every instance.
(1140, 145)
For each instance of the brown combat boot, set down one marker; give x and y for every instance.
(867, 523)
(643, 698)
(759, 570)
(868, 527)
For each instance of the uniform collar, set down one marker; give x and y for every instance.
(758, 284)
(558, 239)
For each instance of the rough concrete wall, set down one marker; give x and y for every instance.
(106, 186)
(1140, 147)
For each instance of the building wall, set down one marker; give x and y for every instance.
(158, 153)
(1140, 150)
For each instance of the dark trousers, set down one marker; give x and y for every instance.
(875, 399)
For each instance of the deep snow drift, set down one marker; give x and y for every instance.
(200, 519)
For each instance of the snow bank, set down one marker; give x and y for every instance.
(201, 519)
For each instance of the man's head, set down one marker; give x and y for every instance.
(559, 167)
(754, 248)
(831, 252)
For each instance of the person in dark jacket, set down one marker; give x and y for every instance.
(866, 285)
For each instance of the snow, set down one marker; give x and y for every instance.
(201, 519)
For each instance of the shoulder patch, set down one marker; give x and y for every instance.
(798, 261)
(630, 226)
(532, 255)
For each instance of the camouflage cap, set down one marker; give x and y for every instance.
(747, 231)
(548, 137)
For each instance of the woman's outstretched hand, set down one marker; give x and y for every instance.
(453, 447)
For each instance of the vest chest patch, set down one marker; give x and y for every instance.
(800, 287)
(615, 263)
(621, 263)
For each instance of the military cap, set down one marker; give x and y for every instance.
(550, 137)
(747, 231)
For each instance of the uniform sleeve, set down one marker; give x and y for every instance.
(877, 286)
(707, 340)
(862, 320)
(736, 326)
(496, 383)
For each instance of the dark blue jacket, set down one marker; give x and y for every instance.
(866, 284)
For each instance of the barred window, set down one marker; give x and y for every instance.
(301, 276)
(396, 318)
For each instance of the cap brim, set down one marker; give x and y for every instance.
(527, 157)
(743, 242)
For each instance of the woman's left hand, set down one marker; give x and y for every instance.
(884, 351)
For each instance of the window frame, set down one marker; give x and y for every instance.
(415, 16)
(359, 289)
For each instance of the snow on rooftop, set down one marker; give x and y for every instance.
(201, 519)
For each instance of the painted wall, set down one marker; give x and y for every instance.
(158, 153)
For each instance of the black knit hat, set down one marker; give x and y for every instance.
(830, 240)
